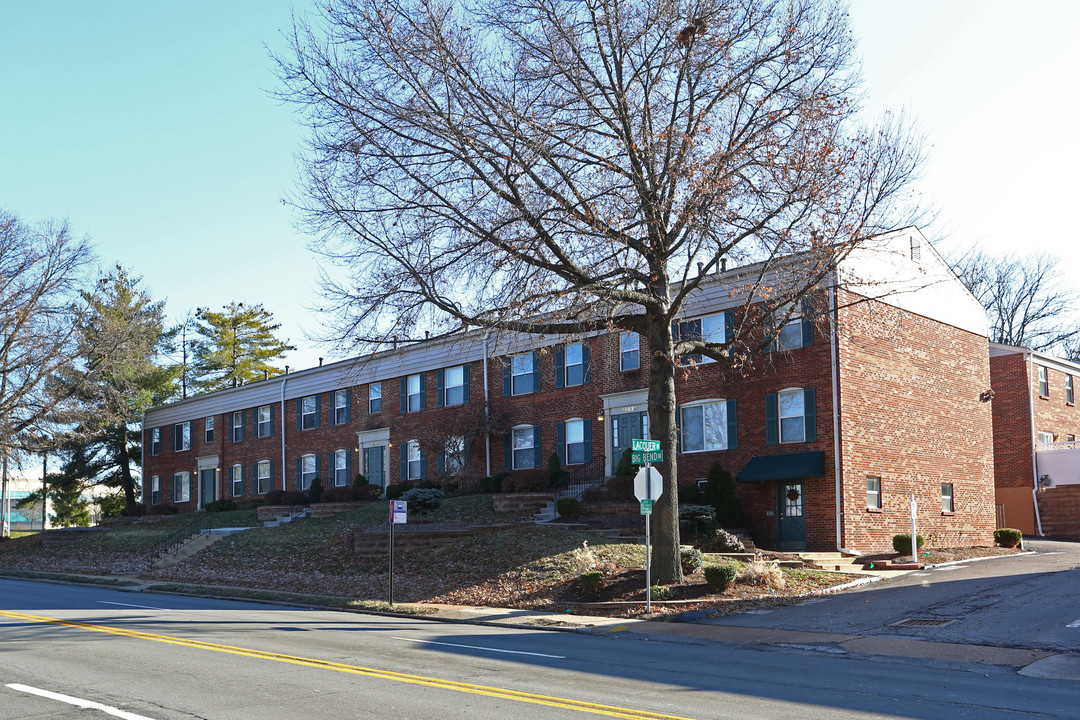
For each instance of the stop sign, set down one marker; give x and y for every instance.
(648, 485)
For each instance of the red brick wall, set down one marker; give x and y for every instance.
(1013, 440)
(1059, 509)
(911, 415)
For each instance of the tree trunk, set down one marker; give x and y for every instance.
(123, 459)
(666, 567)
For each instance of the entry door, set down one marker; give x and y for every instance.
(207, 486)
(624, 428)
(791, 516)
(375, 465)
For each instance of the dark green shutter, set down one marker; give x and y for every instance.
(272, 484)
(348, 404)
(772, 430)
(729, 325)
(243, 481)
(440, 388)
(405, 394)
(271, 422)
(243, 424)
(508, 451)
(507, 362)
(536, 371)
(465, 381)
(441, 463)
(732, 424)
(299, 414)
(423, 392)
(807, 323)
(586, 364)
(560, 366)
(318, 411)
(404, 462)
(423, 464)
(678, 431)
(466, 461)
(538, 455)
(810, 413)
(560, 442)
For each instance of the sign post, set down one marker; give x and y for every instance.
(398, 516)
(648, 487)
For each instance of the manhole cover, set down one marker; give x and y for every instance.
(923, 622)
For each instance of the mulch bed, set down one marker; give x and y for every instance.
(934, 556)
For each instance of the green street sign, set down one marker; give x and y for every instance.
(645, 445)
(643, 457)
(646, 507)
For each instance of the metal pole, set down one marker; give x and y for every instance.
(648, 541)
(44, 488)
(391, 556)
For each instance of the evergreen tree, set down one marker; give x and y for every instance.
(235, 346)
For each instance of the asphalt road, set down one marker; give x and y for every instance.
(140, 655)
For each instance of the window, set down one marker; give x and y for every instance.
(947, 497)
(1044, 383)
(308, 470)
(574, 369)
(873, 493)
(262, 481)
(182, 436)
(265, 426)
(375, 398)
(309, 413)
(238, 426)
(341, 407)
(454, 458)
(575, 442)
(341, 468)
(237, 478)
(792, 416)
(209, 429)
(155, 490)
(415, 393)
(1070, 438)
(155, 441)
(454, 386)
(797, 330)
(704, 426)
(414, 461)
(524, 454)
(1069, 389)
(521, 370)
(181, 487)
(1045, 437)
(710, 328)
(629, 347)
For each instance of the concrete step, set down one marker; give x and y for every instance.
(545, 514)
(196, 544)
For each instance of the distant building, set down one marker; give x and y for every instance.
(29, 518)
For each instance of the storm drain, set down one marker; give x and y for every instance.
(923, 622)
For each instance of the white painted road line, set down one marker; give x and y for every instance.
(1074, 623)
(141, 607)
(78, 702)
(478, 647)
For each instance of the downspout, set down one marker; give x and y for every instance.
(284, 428)
(834, 342)
(1034, 454)
(487, 410)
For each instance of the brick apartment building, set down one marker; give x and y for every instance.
(880, 398)
(1036, 455)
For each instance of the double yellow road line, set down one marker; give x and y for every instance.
(495, 692)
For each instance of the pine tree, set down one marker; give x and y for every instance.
(235, 346)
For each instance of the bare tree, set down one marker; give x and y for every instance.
(1026, 299)
(41, 271)
(563, 166)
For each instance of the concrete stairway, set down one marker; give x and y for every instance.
(546, 513)
(285, 519)
(196, 544)
(844, 563)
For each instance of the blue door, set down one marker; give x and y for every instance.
(790, 515)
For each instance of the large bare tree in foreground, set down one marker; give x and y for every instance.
(563, 166)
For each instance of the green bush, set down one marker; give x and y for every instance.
(423, 500)
(902, 543)
(625, 468)
(359, 480)
(621, 488)
(567, 508)
(315, 491)
(720, 577)
(427, 485)
(1008, 537)
(697, 520)
(721, 541)
(691, 560)
(592, 582)
(688, 493)
(720, 493)
(225, 505)
(660, 592)
(366, 492)
(531, 480)
(555, 469)
(396, 490)
(164, 509)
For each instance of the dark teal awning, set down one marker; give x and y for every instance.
(790, 466)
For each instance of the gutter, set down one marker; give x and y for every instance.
(1034, 455)
(834, 351)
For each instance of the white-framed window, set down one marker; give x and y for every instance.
(181, 487)
(265, 425)
(415, 391)
(873, 492)
(521, 371)
(341, 407)
(237, 420)
(524, 454)
(454, 459)
(704, 426)
(574, 365)
(155, 441)
(1046, 437)
(308, 470)
(792, 411)
(237, 480)
(790, 336)
(710, 328)
(629, 351)
(182, 436)
(1044, 382)
(454, 386)
(209, 426)
(262, 482)
(309, 413)
(155, 490)
(375, 398)
(1069, 389)
(947, 504)
(341, 468)
(414, 461)
(575, 442)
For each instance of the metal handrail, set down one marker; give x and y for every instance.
(201, 525)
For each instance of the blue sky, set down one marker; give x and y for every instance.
(150, 127)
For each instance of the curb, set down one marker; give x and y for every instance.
(979, 559)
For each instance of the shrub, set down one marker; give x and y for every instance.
(592, 494)
(592, 582)
(567, 508)
(688, 493)
(427, 485)
(494, 483)
(1008, 537)
(554, 469)
(395, 490)
(720, 577)
(660, 592)
(251, 504)
(224, 505)
(164, 509)
(274, 497)
(720, 493)
(315, 491)
(902, 543)
(337, 494)
(691, 560)
(625, 468)
(764, 574)
(621, 488)
(133, 511)
(423, 500)
(721, 541)
(366, 492)
(531, 480)
(294, 497)
(359, 480)
(699, 520)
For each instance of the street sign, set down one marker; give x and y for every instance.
(640, 458)
(645, 445)
(648, 485)
(398, 512)
(646, 507)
